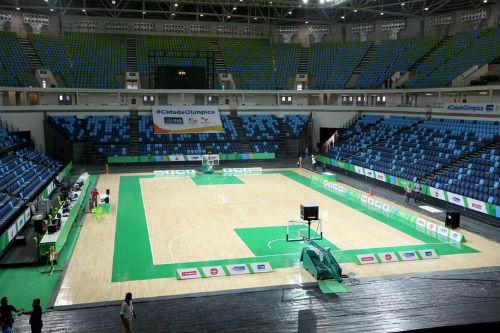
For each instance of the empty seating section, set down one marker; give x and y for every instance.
(431, 72)
(93, 60)
(8, 140)
(331, 65)
(96, 58)
(295, 124)
(112, 135)
(413, 149)
(259, 64)
(394, 56)
(54, 53)
(70, 126)
(479, 176)
(22, 175)
(354, 137)
(109, 128)
(13, 62)
(262, 131)
(147, 44)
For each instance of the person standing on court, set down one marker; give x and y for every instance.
(417, 190)
(127, 313)
(95, 196)
(313, 160)
(407, 192)
(6, 312)
(35, 317)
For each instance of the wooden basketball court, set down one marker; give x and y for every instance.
(157, 225)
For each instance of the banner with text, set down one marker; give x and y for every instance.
(477, 107)
(187, 119)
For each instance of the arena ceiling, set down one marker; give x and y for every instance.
(256, 11)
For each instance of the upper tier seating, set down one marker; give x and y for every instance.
(54, 54)
(331, 65)
(96, 58)
(147, 44)
(13, 62)
(393, 56)
(258, 63)
(456, 56)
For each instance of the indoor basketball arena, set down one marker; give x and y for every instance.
(249, 166)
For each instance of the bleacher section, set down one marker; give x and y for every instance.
(331, 65)
(55, 55)
(70, 126)
(411, 148)
(456, 56)
(393, 56)
(259, 64)
(147, 44)
(23, 174)
(295, 124)
(93, 60)
(13, 62)
(112, 135)
(8, 140)
(96, 59)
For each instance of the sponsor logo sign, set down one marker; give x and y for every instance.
(193, 157)
(386, 208)
(371, 201)
(366, 259)
(20, 222)
(456, 199)
(11, 232)
(364, 198)
(187, 119)
(455, 236)
(437, 193)
(468, 107)
(261, 267)
(369, 173)
(408, 255)
(27, 214)
(213, 271)
(428, 254)
(477, 205)
(421, 222)
(431, 226)
(387, 257)
(380, 176)
(188, 273)
(238, 269)
(443, 231)
(359, 170)
(378, 204)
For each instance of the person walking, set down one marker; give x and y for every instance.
(418, 189)
(127, 313)
(407, 192)
(35, 317)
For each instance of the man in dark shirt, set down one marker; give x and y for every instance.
(6, 312)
